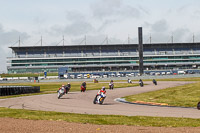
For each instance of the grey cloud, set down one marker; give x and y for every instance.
(78, 28)
(113, 40)
(155, 38)
(104, 8)
(129, 11)
(108, 12)
(74, 16)
(77, 25)
(183, 9)
(146, 11)
(105, 13)
(106, 24)
(7, 38)
(107, 9)
(160, 33)
(96, 39)
(180, 35)
(160, 26)
(196, 14)
(196, 37)
(158, 30)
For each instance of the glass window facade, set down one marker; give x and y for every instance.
(103, 57)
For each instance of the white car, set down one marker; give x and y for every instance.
(79, 76)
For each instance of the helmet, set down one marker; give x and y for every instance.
(63, 85)
(68, 83)
(103, 88)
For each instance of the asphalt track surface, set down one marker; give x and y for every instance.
(82, 102)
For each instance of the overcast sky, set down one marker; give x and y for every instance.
(95, 19)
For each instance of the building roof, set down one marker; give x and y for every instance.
(106, 46)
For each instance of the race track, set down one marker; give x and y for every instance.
(77, 102)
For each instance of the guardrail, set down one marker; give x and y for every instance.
(15, 90)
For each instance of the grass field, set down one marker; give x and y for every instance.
(184, 96)
(100, 119)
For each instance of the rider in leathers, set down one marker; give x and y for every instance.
(103, 90)
(67, 88)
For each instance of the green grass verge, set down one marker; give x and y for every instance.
(100, 119)
(184, 96)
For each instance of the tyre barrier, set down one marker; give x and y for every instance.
(15, 90)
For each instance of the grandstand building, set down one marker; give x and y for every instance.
(112, 57)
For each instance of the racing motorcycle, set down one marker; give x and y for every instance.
(111, 86)
(61, 92)
(129, 81)
(198, 106)
(99, 98)
(83, 88)
(154, 82)
(141, 84)
(67, 89)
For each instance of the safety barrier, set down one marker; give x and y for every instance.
(14, 90)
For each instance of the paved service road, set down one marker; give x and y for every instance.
(77, 102)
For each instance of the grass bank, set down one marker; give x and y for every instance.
(100, 119)
(184, 96)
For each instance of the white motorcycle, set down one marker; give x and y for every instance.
(99, 98)
(129, 81)
(61, 92)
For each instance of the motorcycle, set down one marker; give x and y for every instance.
(67, 90)
(154, 82)
(129, 81)
(111, 86)
(141, 84)
(61, 92)
(198, 106)
(83, 89)
(99, 98)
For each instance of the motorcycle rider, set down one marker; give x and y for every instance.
(111, 85)
(129, 81)
(102, 90)
(154, 82)
(83, 85)
(67, 87)
(62, 87)
(141, 83)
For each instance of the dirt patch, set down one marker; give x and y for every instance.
(10, 125)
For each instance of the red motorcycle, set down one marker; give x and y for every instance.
(83, 88)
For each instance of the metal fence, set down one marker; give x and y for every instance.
(14, 90)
